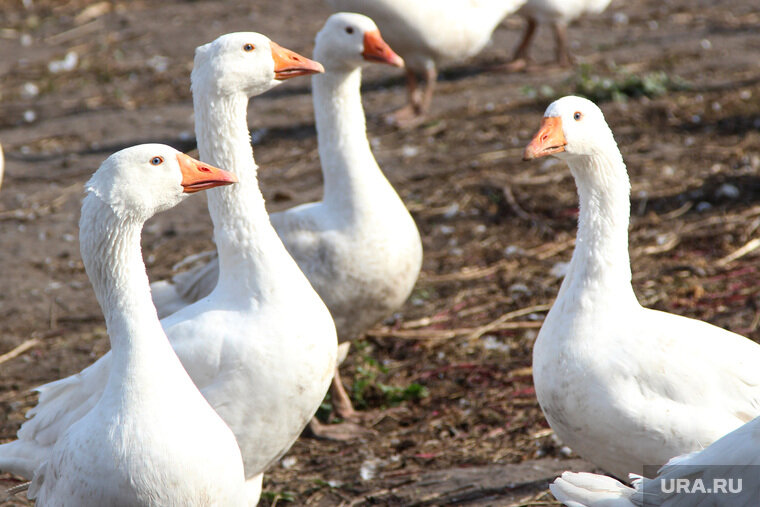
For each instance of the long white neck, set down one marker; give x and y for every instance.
(248, 246)
(352, 178)
(600, 260)
(110, 246)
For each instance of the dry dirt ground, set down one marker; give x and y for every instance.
(447, 380)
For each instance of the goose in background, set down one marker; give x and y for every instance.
(622, 385)
(557, 13)
(428, 32)
(151, 438)
(261, 347)
(733, 457)
(359, 246)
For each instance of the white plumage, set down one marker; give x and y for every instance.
(151, 439)
(359, 246)
(625, 386)
(261, 347)
(733, 457)
(428, 32)
(558, 13)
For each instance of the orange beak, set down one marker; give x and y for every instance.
(377, 50)
(289, 64)
(548, 140)
(197, 176)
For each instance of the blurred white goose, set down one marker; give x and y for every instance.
(626, 386)
(428, 32)
(559, 13)
(264, 371)
(732, 458)
(151, 439)
(359, 247)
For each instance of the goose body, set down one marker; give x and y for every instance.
(734, 457)
(264, 371)
(359, 247)
(557, 13)
(427, 33)
(151, 439)
(622, 385)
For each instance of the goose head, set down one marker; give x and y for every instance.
(246, 62)
(348, 41)
(143, 180)
(572, 127)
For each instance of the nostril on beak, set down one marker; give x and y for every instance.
(204, 169)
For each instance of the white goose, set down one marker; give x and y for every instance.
(359, 247)
(264, 371)
(428, 32)
(734, 457)
(559, 13)
(151, 439)
(626, 386)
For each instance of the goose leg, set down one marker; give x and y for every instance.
(341, 401)
(521, 59)
(414, 112)
(564, 58)
(431, 77)
(344, 409)
(408, 113)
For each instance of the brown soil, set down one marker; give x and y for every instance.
(493, 227)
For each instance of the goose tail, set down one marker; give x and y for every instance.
(591, 490)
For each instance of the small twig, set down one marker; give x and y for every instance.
(32, 213)
(514, 205)
(15, 490)
(446, 334)
(28, 344)
(78, 31)
(532, 500)
(468, 273)
(750, 246)
(497, 324)
(541, 433)
(491, 156)
(554, 177)
(678, 212)
(415, 334)
(549, 250)
(667, 246)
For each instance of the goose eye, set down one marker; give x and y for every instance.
(577, 116)
(349, 29)
(157, 160)
(248, 48)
